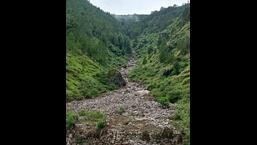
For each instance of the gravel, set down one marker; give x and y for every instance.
(141, 113)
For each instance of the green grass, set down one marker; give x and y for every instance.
(94, 118)
(120, 110)
(163, 101)
(183, 111)
(100, 124)
(86, 78)
(71, 119)
(80, 81)
(91, 115)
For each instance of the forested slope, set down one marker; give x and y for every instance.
(163, 53)
(95, 44)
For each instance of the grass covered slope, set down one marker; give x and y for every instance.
(80, 80)
(164, 66)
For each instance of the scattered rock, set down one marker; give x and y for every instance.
(178, 140)
(167, 133)
(145, 136)
(143, 123)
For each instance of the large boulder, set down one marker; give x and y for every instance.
(142, 92)
(111, 78)
(115, 78)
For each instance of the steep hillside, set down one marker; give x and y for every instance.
(159, 20)
(95, 44)
(164, 61)
(98, 43)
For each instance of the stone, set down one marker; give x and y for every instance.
(148, 126)
(145, 136)
(167, 133)
(178, 139)
(116, 78)
(125, 114)
(142, 92)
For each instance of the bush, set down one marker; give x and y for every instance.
(144, 61)
(156, 92)
(182, 118)
(92, 116)
(101, 124)
(167, 72)
(176, 69)
(71, 118)
(175, 95)
(163, 101)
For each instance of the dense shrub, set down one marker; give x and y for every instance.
(71, 118)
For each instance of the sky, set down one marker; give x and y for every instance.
(120, 7)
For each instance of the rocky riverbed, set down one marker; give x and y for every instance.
(143, 122)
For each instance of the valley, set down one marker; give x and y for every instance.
(127, 76)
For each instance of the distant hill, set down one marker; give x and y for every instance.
(129, 18)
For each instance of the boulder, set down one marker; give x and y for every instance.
(145, 136)
(142, 92)
(115, 77)
(167, 133)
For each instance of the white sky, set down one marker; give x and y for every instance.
(134, 6)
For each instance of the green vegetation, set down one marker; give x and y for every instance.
(163, 101)
(95, 44)
(99, 43)
(101, 124)
(120, 110)
(71, 118)
(182, 118)
(163, 65)
(80, 80)
(91, 116)
(94, 118)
